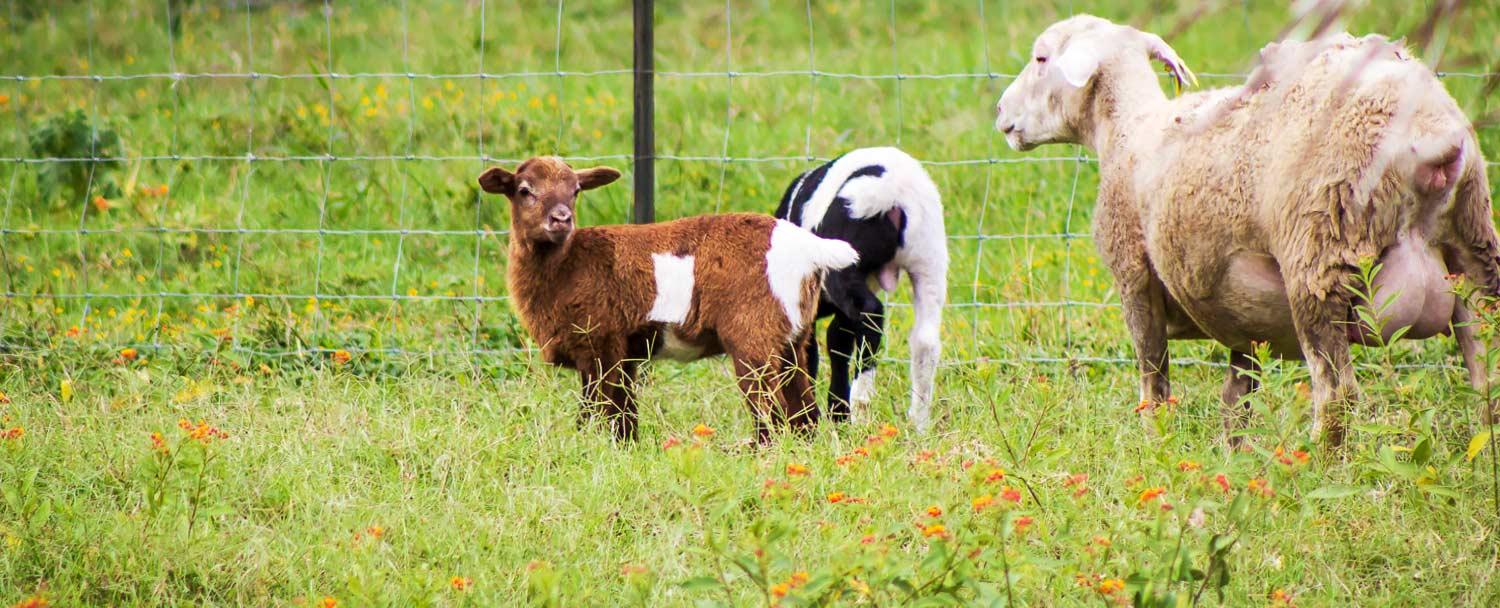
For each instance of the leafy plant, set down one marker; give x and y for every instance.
(79, 153)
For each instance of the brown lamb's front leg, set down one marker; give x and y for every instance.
(607, 388)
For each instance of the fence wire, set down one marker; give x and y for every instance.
(405, 227)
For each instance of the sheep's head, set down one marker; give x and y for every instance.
(542, 193)
(1047, 102)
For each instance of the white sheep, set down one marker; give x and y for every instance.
(1241, 215)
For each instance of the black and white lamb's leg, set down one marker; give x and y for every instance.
(853, 342)
(929, 284)
(840, 349)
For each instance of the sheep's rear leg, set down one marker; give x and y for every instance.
(841, 339)
(1239, 382)
(798, 398)
(1325, 345)
(1469, 346)
(758, 380)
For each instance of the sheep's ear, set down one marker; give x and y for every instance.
(1078, 62)
(498, 181)
(588, 179)
(1158, 49)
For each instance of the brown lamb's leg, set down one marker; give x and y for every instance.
(797, 396)
(606, 389)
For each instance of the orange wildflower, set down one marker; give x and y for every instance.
(341, 357)
(375, 532)
(1110, 586)
(4, 398)
(1188, 465)
(1300, 456)
(1150, 494)
(867, 539)
(328, 602)
(934, 511)
(995, 475)
(1010, 495)
(1022, 523)
(101, 203)
(13, 433)
(843, 460)
(670, 443)
(938, 530)
(781, 589)
(925, 455)
(129, 354)
(460, 583)
(1281, 599)
(161, 190)
(703, 430)
(35, 601)
(836, 497)
(799, 578)
(889, 431)
(1223, 481)
(982, 502)
(158, 443)
(796, 470)
(1143, 406)
(1079, 483)
(1260, 486)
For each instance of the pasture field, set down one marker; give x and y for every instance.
(262, 355)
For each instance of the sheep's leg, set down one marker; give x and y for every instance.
(1239, 382)
(757, 377)
(866, 348)
(1325, 344)
(605, 390)
(1145, 313)
(929, 285)
(841, 333)
(797, 395)
(1468, 346)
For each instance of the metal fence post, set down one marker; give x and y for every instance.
(645, 105)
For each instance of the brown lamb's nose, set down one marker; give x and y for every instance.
(561, 215)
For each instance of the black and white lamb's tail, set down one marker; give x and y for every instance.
(895, 185)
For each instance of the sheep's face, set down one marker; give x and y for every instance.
(542, 193)
(1045, 101)
(1048, 100)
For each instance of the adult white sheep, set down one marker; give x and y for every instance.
(1242, 214)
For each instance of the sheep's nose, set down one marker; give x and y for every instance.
(1008, 128)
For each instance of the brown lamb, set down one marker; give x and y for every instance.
(602, 300)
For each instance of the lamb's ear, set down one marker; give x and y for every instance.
(1160, 51)
(588, 179)
(1079, 61)
(498, 181)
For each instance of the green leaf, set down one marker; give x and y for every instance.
(699, 583)
(1476, 445)
(1336, 491)
(1423, 451)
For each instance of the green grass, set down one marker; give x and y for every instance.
(472, 466)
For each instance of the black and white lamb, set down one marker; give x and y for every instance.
(882, 202)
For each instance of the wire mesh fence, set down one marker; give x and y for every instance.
(295, 179)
